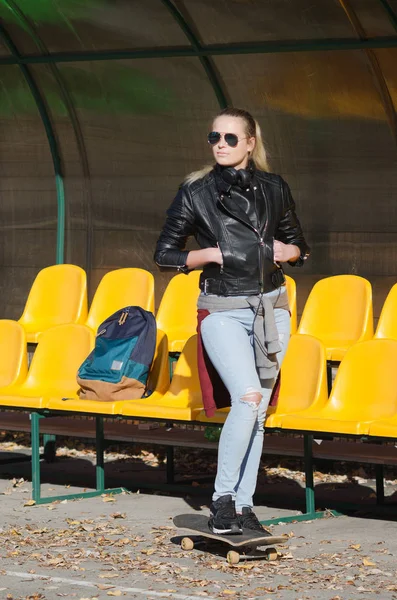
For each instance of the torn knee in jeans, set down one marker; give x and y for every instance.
(252, 397)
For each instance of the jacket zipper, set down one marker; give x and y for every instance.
(170, 266)
(261, 242)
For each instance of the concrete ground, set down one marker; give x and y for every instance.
(126, 545)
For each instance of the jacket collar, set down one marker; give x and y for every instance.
(228, 197)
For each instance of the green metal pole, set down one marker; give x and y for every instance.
(35, 442)
(100, 446)
(42, 108)
(309, 478)
(213, 50)
(390, 12)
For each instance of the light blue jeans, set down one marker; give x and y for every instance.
(227, 338)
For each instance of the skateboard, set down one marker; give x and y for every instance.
(244, 546)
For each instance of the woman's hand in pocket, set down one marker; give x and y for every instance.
(199, 258)
(285, 252)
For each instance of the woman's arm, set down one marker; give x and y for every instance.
(178, 227)
(290, 244)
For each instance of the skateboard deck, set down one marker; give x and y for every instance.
(245, 543)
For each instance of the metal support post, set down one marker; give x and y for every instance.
(100, 446)
(35, 441)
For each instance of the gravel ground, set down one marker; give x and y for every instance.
(126, 545)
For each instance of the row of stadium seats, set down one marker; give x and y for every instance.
(338, 310)
(364, 393)
(59, 295)
(363, 399)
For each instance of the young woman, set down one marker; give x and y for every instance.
(243, 218)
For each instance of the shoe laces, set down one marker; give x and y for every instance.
(251, 521)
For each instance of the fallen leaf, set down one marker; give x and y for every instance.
(118, 515)
(368, 563)
(17, 482)
(30, 503)
(109, 575)
(148, 551)
(108, 499)
(102, 586)
(114, 593)
(355, 547)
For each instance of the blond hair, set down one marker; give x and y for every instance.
(252, 129)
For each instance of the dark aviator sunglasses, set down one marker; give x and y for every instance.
(231, 139)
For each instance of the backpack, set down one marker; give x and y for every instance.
(119, 365)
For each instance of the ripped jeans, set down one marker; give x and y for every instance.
(228, 343)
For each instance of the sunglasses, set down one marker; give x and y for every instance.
(231, 139)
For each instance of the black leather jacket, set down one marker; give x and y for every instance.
(209, 210)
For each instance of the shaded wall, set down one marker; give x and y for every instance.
(128, 129)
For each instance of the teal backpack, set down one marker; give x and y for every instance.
(119, 365)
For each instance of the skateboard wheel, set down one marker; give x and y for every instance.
(187, 544)
(271, 554)
(233, 557)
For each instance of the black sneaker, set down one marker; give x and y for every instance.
(249, 520)
(223, 519)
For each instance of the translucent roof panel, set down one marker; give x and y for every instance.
(28, 207)
(76, 25)
(326, 129)
(76, 175)
(233, 21)
(387, 59)
(373, 17)
(144, 125)
(3, 50)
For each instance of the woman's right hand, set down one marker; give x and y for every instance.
(199, 258)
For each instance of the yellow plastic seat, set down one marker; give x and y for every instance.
(365, 390)
(58, 296)
(303, 382)
(182, 401)
(291, 291)
(120, 288)
(384, 428)
(13, 355)
(338, 311)
(177, 313)
(303, 379)
(158, 381)
(53, 369)
(387, 324)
